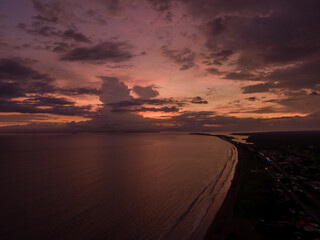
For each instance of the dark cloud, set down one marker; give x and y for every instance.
(22, 118)
(241, 76)
(100, 53)
(217, 58)
(10, 90)
(45, 31)
(114, 7)
(303, 103)
(47, 101)
(145, 92)
(121, 104)
(44, 19)
(160, 5)
(118, 111)
(293, 77)
(140, 102)
(216, 26)
(147, 109)
(17, 79)
(168, 17)
(262, 35)
(52, 11)
(214, 71)
(199, 100)
(301, 75)
(78, 91)
(257, 88)
(268, 109)
(263, 110)
(76, 36)
(209, 121)
(14, 69)
(183, 57)
(53, 32)
(22, 26)
(36, 106)
(114, 91)
(61, 47)
(252, 99)
(222, 55)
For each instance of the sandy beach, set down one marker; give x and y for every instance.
(220, 226)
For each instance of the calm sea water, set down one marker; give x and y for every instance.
(111, 186)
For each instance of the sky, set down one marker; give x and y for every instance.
(159, 65)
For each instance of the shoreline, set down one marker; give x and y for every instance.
(221, 223)
(220, 226)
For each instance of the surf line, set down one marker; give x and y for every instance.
(232, 158)
(167, 233)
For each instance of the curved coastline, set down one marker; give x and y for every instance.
(220, 225)
(219, 192)
(206, 205)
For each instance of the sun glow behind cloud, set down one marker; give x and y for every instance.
(199, 61)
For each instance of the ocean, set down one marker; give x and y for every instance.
(153, 186)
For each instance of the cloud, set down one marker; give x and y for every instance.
(209, 121)
(261, 36)
(183, 57)
(257, 88)
(294, 77)
(301, 75)
(252, 99)
(214, 71)
(52, 32)
(140, 102)
(54, 11)
(217, 58)
(160, 5)
(44, 19)
(10, 90)
(14, 69)
(199, 100)
(45, 31)
(100, 53)
(76, 36)
(113, 91)
(22, 118)
(145, 92)
(78, 91)
(148, 109)
(52, 106)
(117, 113)
(48, 101)
(17, 79)
(114, 7)
(268, 109)
(49, 10)
(241, 76)
(304, 103)
(120, 110)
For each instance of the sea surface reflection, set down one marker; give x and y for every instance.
(112, 186)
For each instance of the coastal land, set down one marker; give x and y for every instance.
(275, 191)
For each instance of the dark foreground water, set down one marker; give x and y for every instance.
(111, 186)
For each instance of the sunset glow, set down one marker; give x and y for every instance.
(171, 61)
